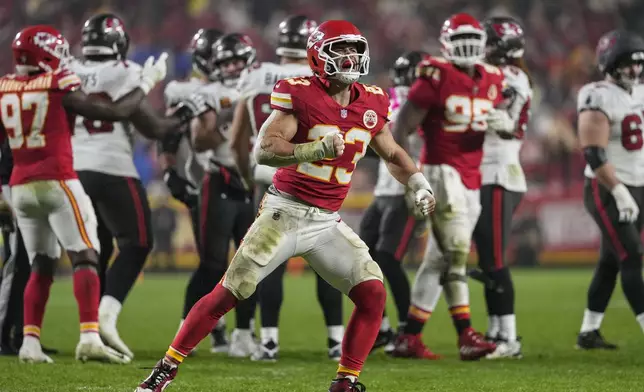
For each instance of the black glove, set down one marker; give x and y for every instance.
(180, 188)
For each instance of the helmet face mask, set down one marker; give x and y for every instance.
(620, 54)
(628, 71)
(338, 51)
(230, 70)
(463, 40)
(345, 60)
(231, 55)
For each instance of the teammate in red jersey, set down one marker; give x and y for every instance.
(37, 107)
(453, 101)
(319, 128)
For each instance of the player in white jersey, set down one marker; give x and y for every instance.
(387, 226)
(503, 185)
(226, 206)
(610, 123)
(255, 86)
(104, 163)
(184, 171)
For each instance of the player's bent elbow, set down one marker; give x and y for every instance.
(261, 157)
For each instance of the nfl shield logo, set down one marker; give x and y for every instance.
(343, 113)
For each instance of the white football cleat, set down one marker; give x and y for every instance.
(97, 351)
(506, 350)
(242, 344)
(111, 337)
(108, 313)
(31, 351)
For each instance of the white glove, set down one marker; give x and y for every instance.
(196, 103)
(153, 72)
(423, 195)
(500, 121)
(626, 205)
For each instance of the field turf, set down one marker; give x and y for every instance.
(550, 306)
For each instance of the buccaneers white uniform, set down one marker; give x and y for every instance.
(190, 165)
(625, 113)
(101, 146)
(500, 164)
(222, 100)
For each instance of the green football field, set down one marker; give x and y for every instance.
(550, 306)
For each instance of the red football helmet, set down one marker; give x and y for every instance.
(463, 40)
(338, 63)
(41, 48)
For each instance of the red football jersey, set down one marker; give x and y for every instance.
(325, 183)
(38, 126)
(455, 123)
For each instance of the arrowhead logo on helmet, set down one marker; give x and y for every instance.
(314, 38)
(39, 47)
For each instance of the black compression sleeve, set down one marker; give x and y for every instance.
(595, 156)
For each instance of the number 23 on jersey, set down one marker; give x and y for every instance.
(326, 173)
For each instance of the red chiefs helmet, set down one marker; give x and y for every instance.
(463, 40)
(41, 48)
(327, 60)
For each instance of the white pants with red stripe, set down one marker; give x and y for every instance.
(53, 212)
(450, 238)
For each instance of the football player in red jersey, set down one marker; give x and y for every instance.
(37, 108)
(319, 128)
(453, 101)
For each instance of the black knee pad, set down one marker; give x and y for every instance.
(87, 258)
(44, 265)
(501, 280)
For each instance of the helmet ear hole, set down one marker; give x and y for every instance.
(314, 61)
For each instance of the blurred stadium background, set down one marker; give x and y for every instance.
(552, 227)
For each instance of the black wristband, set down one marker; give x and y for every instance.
(595, 156)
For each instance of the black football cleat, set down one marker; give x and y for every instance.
(346, 385)
(161, 376)
(385, 339)
(593, 340)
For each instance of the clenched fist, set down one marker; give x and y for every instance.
(333, 145)
(425, 202)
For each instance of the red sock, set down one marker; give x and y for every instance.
(362, 330)
(201, 319)
(87, 290)
(35, 300)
